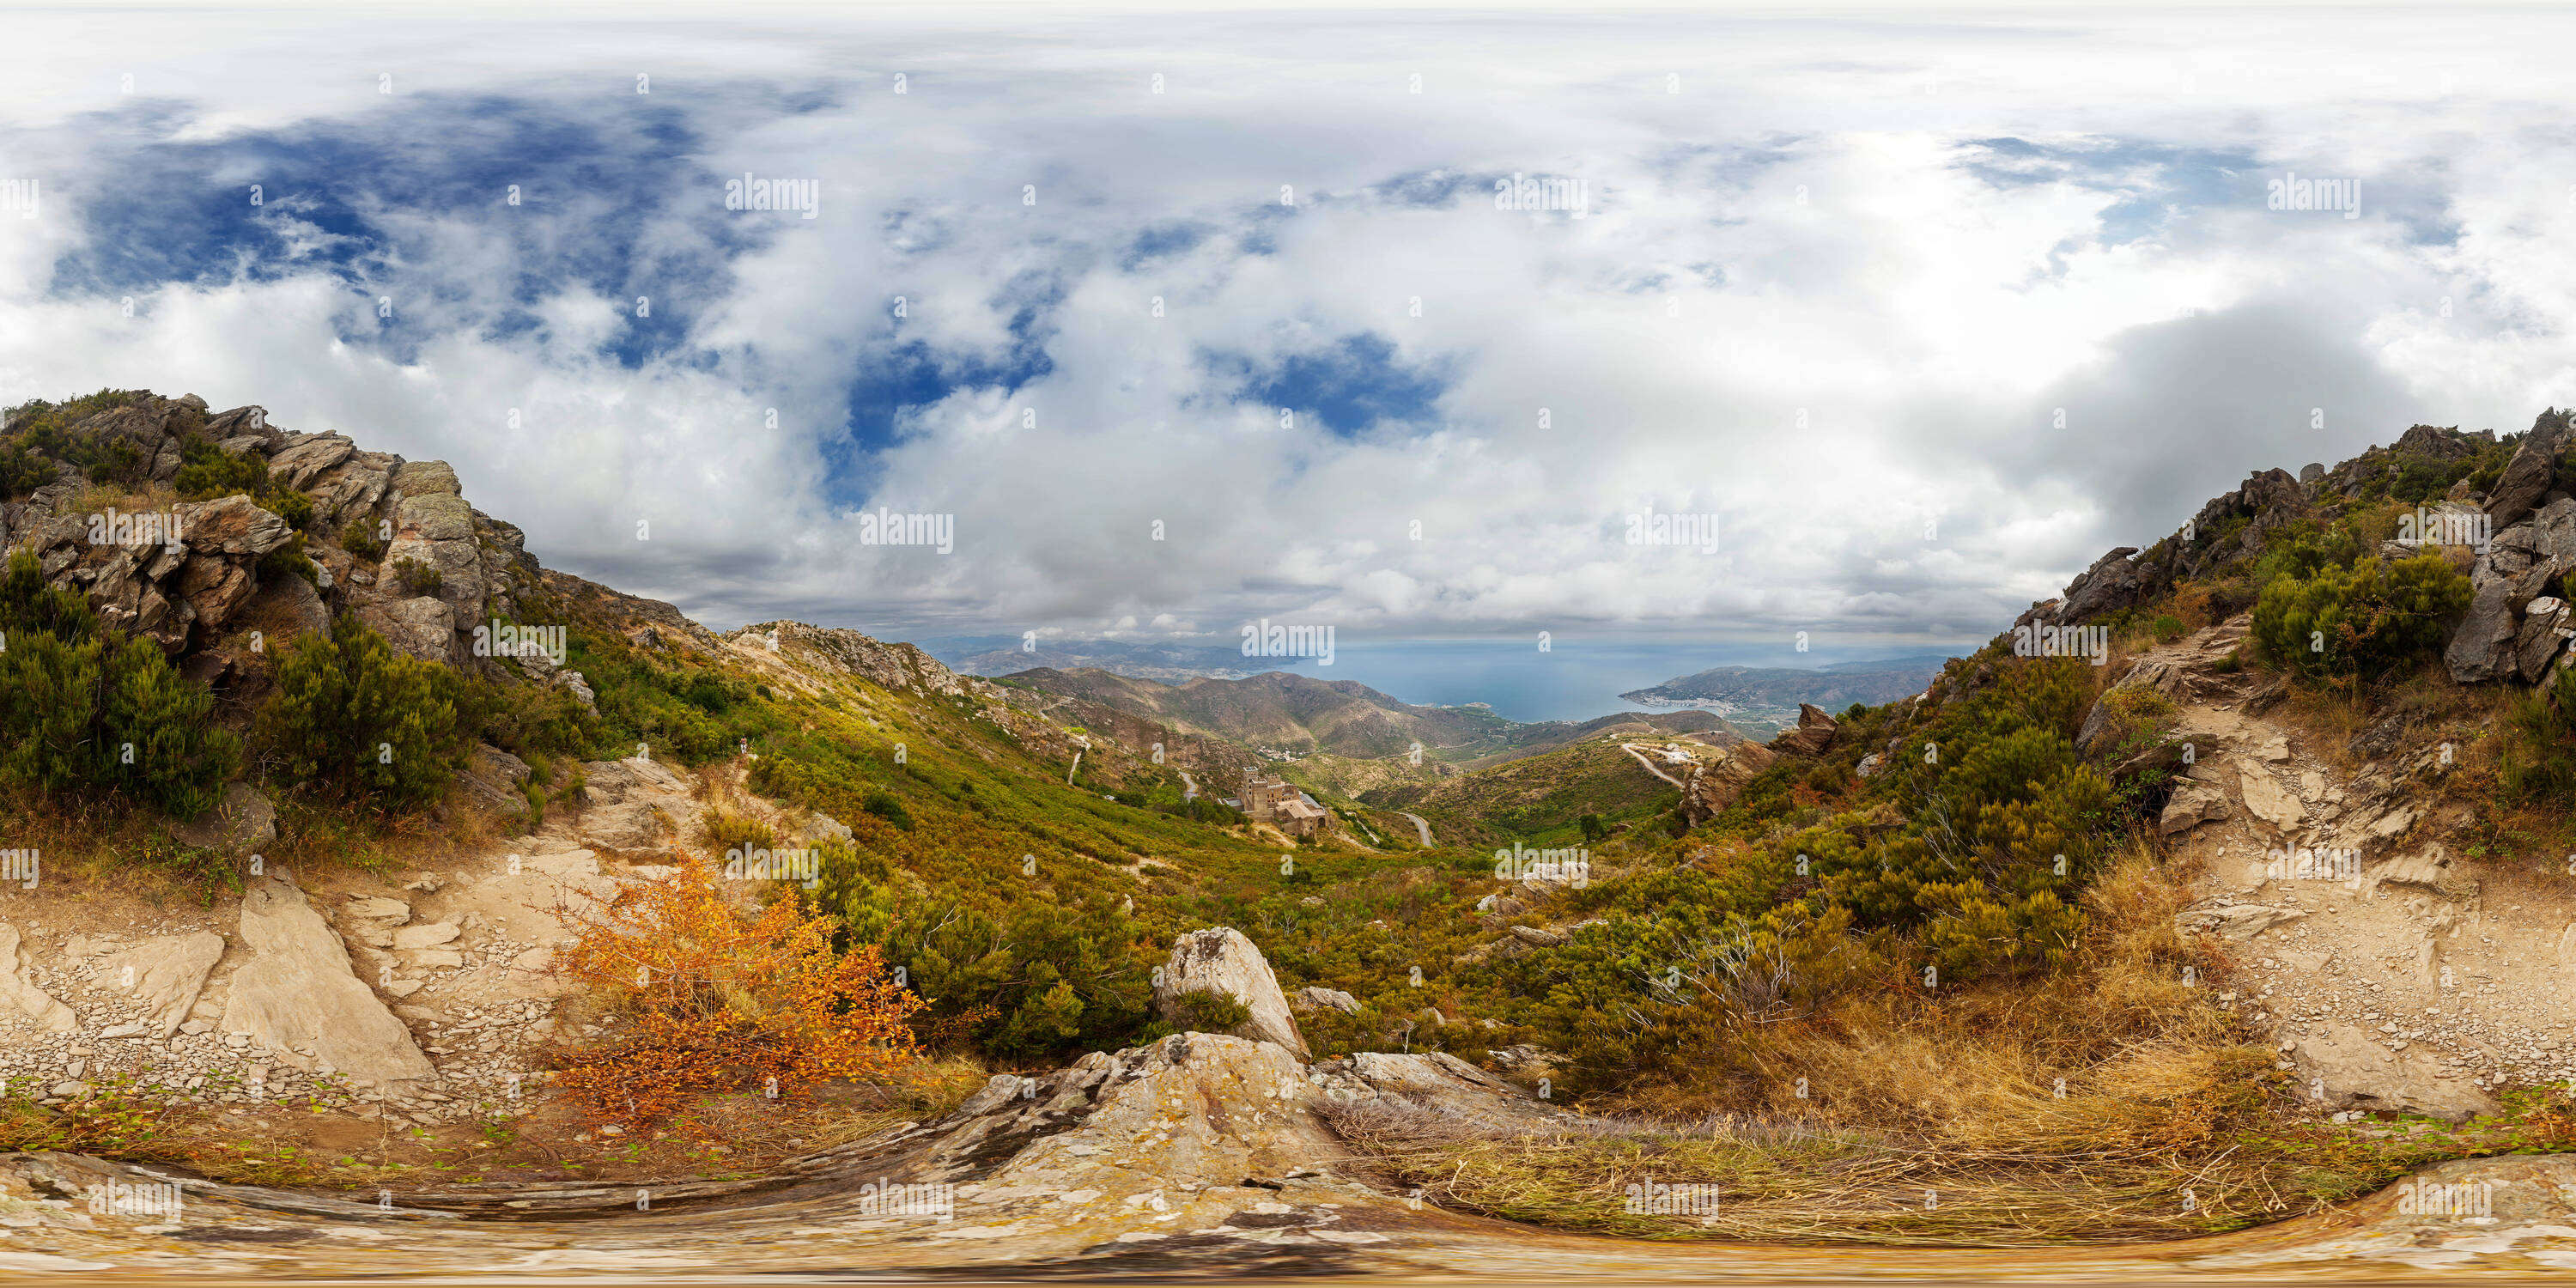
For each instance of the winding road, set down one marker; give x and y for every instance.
(1631, 749)
(1419, 825)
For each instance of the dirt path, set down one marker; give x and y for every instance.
(2391, 971)
(1631, 749)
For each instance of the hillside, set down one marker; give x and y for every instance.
(1767, 698)
(1283, 712)
(2197, 915)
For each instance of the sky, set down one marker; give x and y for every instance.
(1181, 318)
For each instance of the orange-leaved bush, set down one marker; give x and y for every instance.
(716, 998)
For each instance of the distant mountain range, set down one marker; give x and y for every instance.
(1298, 715)
(992, 655)
(1760, 696)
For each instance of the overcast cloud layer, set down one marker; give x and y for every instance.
(1928, 314)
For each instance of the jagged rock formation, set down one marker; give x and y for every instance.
(1222, 960)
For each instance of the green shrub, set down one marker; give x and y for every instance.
(359, 537)
(2538, 765)
(84, 709)
(417, 578)
(1204, 1010)
(290, 560)
(207, 472)
(290, 505)
(536, 803)
(886, 805)
(2168, 628)
(2371, 618)
(353, 718)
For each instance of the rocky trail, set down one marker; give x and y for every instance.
(1199, 1155)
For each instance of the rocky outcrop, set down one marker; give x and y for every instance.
(1222, 960)
(164, 976)
(2347, 1068)
(18, 987)
(423, 627)
(633, 806)
(2533, 471)
(2482, 646)
(161, 588)
(1814, 733)
(1311, 998)
(298, 997)
(1715, 783)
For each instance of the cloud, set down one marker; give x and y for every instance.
(1834, 300)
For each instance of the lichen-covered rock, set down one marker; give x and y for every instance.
(237, 825)
(1222, 960)
(2482, 646)
(423, 627)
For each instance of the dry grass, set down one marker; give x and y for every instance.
(1959, 1097)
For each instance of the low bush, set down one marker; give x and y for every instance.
(355, 719)
(721, 999)
(2372, 618)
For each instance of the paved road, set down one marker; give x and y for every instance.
(1189, 788)
(1419, 825)
(1631, 749)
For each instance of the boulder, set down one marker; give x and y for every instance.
(2354, 1071)
(2482, 646)
(1714, 784)
(18, 988)
(424, 627)
(1815, 731)
(632, 806)
(2544, 635)
(2267, 799)
(1222, 960)
(2191, 805)
(283, 608)
(426, 478)
(297, 994)
(241, 822)
(2529, 475)
(243, 422)
(1312, 998)
(165, 975)
(306, 456)
(233, 525)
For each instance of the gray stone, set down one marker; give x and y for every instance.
(297, 993)
(427, 478)
(2357, 1072)
(2482, 647)
(241, 822)
(2528, 476)
(166, 975)
(1315, 999)
(1222, 960)
(2543, 636)
(18, 988)
(2311, 472)
(424, 627)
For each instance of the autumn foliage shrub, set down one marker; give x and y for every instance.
(2361, 621)
(714, 998)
